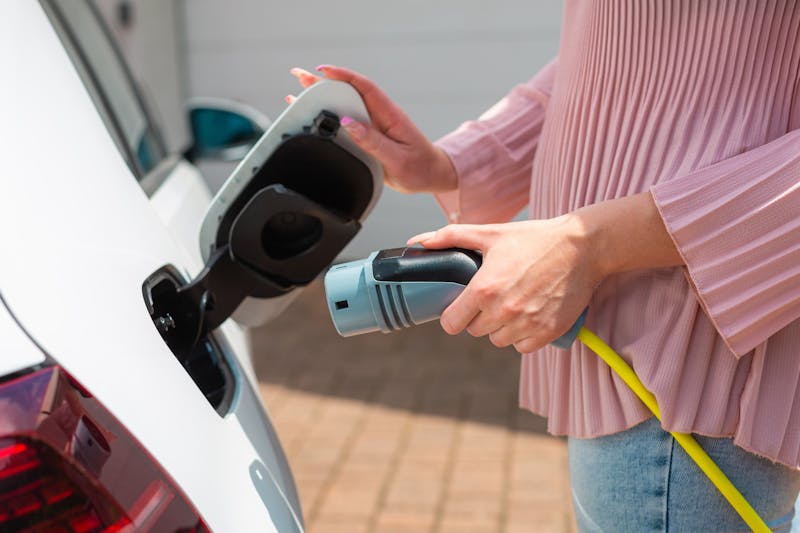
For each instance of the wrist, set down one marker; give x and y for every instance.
(586, 229)
(627, 234)
(608, 253)
(442, 175)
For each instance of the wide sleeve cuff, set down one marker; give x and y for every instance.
(493, 155)
(737, 226)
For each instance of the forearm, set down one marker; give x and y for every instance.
(626, 234)
(492, 156)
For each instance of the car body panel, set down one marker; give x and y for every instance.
(181, 202)
(19, 352)
(80, 239)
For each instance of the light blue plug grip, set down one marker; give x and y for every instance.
(358, 303)
(348, 296)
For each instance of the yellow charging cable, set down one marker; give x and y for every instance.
(698, 455)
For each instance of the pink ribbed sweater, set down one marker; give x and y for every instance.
(699, 103)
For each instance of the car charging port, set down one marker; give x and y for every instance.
(199, 352)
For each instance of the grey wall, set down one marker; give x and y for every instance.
(444, 62)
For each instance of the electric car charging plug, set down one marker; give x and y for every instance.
(403, 287)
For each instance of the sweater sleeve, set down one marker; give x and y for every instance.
(737, 226)
(493, 155)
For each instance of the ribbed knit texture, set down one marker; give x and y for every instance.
(698, 102)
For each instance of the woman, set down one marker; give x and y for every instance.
(659, 156)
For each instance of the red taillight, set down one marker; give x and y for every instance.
(39, 491)
(67, 465)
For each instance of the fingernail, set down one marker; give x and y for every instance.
(356, 130)
(288, 98)
(321, 68)
(295, 71)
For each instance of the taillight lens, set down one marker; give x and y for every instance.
(67, 465)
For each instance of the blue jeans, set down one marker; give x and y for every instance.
(642, 480)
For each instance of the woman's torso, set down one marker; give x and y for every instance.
(645, 92)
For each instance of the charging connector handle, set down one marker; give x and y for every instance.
(453, 265)
(401, 287)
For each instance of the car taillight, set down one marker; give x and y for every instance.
(67, 465)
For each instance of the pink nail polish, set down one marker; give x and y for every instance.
(346, 121)
(322, 67)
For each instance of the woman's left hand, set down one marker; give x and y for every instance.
(536, 279)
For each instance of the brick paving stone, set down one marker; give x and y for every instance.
(383, 528)
(308, 489)
(416, 431)
(351, 503)
(540, 519)
(340, 526)
(389, 520)
(457, 525)
(474, 510)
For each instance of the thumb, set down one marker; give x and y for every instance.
(469, 236)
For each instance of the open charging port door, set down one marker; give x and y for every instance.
(285, 213)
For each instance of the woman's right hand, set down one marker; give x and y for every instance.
(411, 163)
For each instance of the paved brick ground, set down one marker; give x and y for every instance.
(415, 431)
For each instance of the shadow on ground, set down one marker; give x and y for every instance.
(421, 369)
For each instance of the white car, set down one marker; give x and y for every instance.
(106, 424)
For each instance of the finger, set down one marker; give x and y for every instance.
(460, 313)
(417, 239)
(528, 335)
(484, 324)
(502, 337)
(371, 140)
(290, 98)
(382, 109)
(514, 332)
(305, 77)
(528, 345)
(470, 236)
